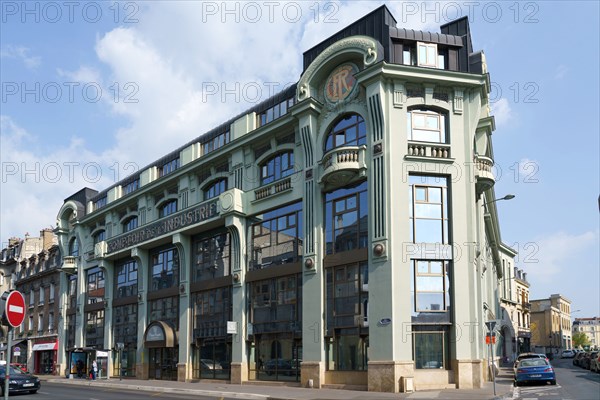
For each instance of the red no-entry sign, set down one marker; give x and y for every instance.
(14, 308)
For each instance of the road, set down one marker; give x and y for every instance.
(57, 391)
(573, 383)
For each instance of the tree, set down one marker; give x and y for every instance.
(580, 339)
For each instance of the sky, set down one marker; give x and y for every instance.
(93, 91)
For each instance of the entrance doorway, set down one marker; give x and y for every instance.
(163, 363)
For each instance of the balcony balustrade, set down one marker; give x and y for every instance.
(273, 188)
(341, 165)
(436, 150)
(484, 175)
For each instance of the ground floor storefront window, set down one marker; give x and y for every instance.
(275, 356)
(275, 313)
(430, 347)
(347, 351)
(125, 331)
(212, 359)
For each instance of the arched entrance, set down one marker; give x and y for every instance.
(163, 352)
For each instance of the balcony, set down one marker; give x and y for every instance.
(70, 264)
(343, 164)
(526, 306)
(428, 150)
(274, 188)
(484, 176)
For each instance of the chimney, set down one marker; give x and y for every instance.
(48, 238)
(525, 276)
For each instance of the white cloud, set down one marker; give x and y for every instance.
(85, 74)
(565, 263)
(502, 112)
(35, 181)
(21, 53)
(166, 78)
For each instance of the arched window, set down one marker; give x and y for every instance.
(74, 247)
(277, 167)
(348, 131)
(215, 189)
(130, 224)
(426, 126)
(168, 208)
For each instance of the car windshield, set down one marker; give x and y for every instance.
(13, 370)
(533, 362)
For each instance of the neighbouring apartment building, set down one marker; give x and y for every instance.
(344, 231)
(551, 324)
(32, 267)
(516, 318)
(589, 326)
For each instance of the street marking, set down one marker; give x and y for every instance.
(17, 309)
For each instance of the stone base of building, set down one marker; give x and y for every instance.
(141, 371)
(182, 372)
(239, 372)
(469, 374)
(387, 376)
(312, 374)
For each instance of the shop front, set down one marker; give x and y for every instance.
(44, 356)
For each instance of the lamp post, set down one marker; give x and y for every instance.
(507, 197)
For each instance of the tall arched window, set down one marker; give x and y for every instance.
(348, 131)
(277, 167)
(215, 189)
(74, 247)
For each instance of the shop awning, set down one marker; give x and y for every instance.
(45, 346)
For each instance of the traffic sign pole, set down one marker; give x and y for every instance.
(13, 315)
(9, 332)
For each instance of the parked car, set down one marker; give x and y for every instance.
(523, 356)
(20, 381)
(595, 363)
(578, 357)
(279, 366)
(534, 370)
(567, 354)
(587, 361)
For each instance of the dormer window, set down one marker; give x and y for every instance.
(428, 55)
(168, 167)
(424, 55)
(101, 202)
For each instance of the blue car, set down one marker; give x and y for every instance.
(534, 370)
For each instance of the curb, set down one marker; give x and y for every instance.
(247, 396)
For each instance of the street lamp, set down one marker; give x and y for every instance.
(507, 197)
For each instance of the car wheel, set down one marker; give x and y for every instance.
(517, 383)
(553, 382)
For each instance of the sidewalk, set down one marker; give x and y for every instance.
(271, 392)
